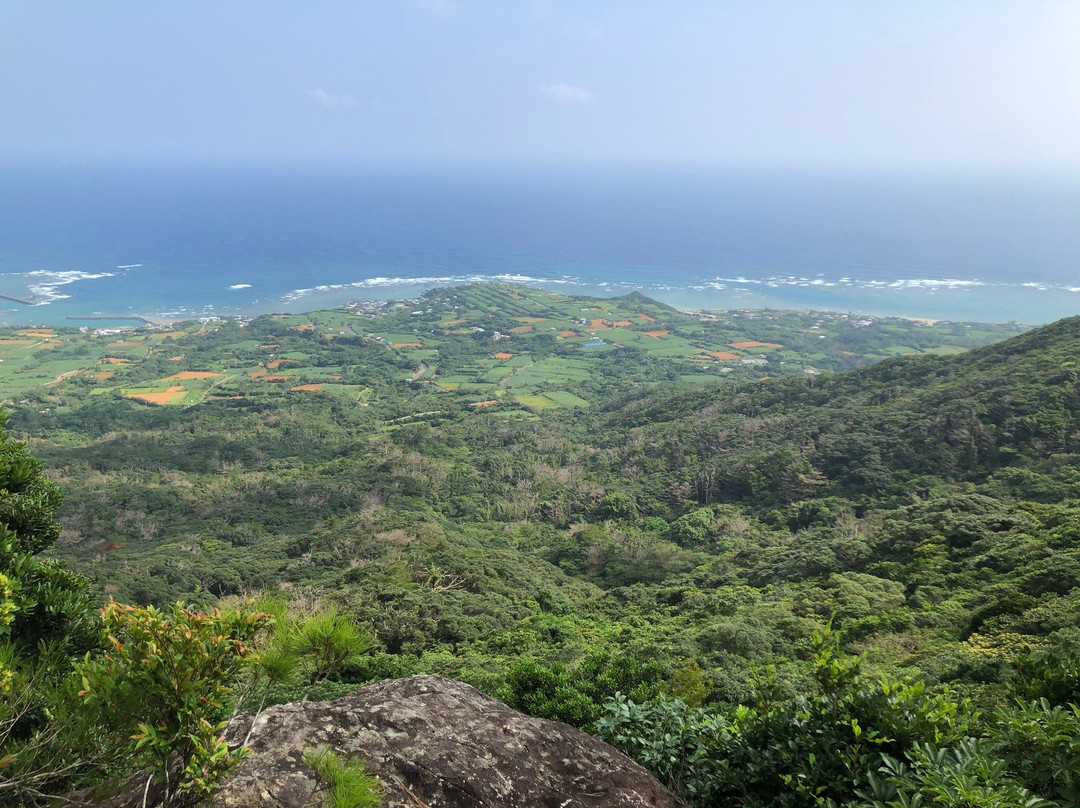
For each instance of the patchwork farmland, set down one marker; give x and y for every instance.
(499, 348)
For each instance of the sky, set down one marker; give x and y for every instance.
(936, 83)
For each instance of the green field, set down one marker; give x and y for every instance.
(565, 399)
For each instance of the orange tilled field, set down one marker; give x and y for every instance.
(159, 398)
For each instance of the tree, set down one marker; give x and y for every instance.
(47, 602)
(46, 619)
(156, 698)
(162, 690)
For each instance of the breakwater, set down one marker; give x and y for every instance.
(20, 300)
(136, 317)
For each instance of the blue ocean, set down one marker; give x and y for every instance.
(180, 241)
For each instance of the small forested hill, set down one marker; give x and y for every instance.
(1008, 412)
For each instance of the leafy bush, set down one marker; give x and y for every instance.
(967, 775)
(797, 752)
(884, 745)
(576, 695)
(1048, 676)
(683, 746)
(1040, 744)
(46, 618)
(164, 687)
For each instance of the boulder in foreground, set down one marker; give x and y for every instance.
(438, 743)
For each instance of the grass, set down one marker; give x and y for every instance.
(498, 374)
(565, 399)
(535, 402)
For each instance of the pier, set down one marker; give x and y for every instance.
(136, 317)
(19, 300)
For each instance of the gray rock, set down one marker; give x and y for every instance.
(436, 743)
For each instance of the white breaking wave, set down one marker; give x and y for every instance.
(733, 283)
(128, 266)
(46, 289)
(776, 281)
(240, 286)
(933, 283)
(384, 282)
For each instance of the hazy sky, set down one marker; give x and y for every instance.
(866, 82)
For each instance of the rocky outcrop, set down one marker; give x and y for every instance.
(437, 743)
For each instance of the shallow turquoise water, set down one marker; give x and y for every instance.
(193, 240)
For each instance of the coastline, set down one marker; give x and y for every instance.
(169, 245)
(157, 322)
(1028, 303)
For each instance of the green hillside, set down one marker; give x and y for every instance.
(614, 525)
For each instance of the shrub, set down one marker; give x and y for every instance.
(343, 784)
(164, 685)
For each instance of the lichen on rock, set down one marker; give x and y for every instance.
(438, 743)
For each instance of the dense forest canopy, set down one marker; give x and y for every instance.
(632, 543)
